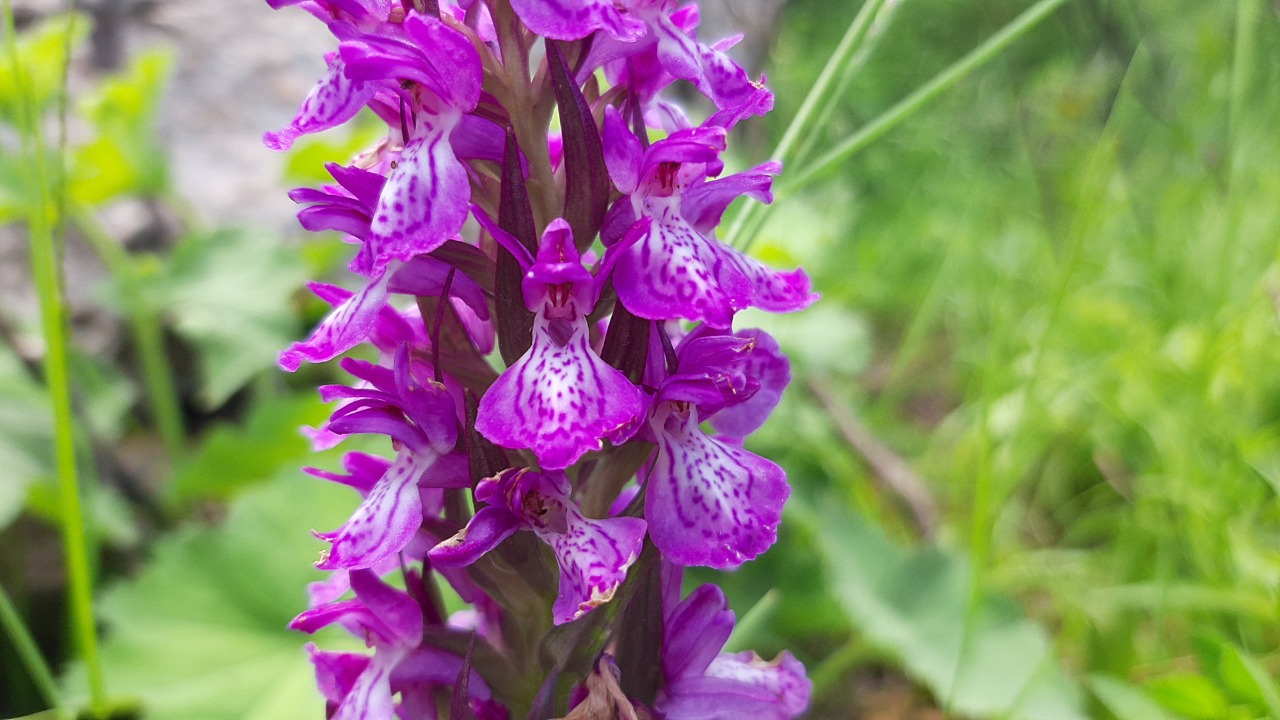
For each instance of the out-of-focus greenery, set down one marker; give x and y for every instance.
(1052, 294)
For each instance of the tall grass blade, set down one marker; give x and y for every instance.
(25, 646)
(939, 84)
(748, 222)
(46, 268)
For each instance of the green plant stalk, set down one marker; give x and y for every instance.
(935, 87)
(46, 269)
(1242, 66)
(25, 645)
(147, 333)
(748, 222)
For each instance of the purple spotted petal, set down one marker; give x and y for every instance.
(384, 523)
(423, 204)
(772, 290)
(708, 502)
(334, 100)
(675, 271)
(593, 556)
(710, 70)
(347, 326)
(576, 19)
(559, 399)
(768, 365)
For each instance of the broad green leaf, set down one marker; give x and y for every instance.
(1125, 701)
(1189, 695)
(125, 156)
(267, 441)
(201, 633)
(227, 293)
(1244, 675)
(41, 57)
(914, 605)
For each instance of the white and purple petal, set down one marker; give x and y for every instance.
(708, 502)
(423, 204)
(333, 100)
(559, 399)
(385, 522)
(768, 365)
(593, 556)
(347, 326)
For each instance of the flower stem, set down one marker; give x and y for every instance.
(747, 223)
(936, 86)
(46, 268)
(25, 646)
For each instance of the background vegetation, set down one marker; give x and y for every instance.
(1034, 433)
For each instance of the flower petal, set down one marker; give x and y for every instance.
(334, 100)
(347, 326)
(674, 271)
(558, 400)
(576, 19)
(490, 526)
(385, 522)
(710, 503)
(423, 204)
(593, 556)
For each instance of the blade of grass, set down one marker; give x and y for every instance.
(46, 268)
(939, 84)
(25, 645)
(748, 221)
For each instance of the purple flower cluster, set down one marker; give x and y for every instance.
(584, 260)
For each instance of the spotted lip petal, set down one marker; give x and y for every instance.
(576, 19)
(674, 271)
(558, 399)
(385, 522)
(423, 204)
(593, 555)
(335, 99)
(709, 503)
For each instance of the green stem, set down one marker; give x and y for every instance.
(47, 271)
(1242, 66)
(753, 622)
(25, 646)
(748, 222)
(939, 84)
(146, 330)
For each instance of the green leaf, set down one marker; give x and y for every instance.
(41, 54)
(26, 426)
(125, 156)
(1244, 675)
(1190, 695)
(1125, 701)
(914, 605)
(201, 633)
(227, 292)
(267, 441)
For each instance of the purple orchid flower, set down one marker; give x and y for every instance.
(678, 268)
(703, 683)
(359, 687)
(593, 554)
(710, 502)
(669, 51)
(421, 418)
(559, 399)
(424, 201)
